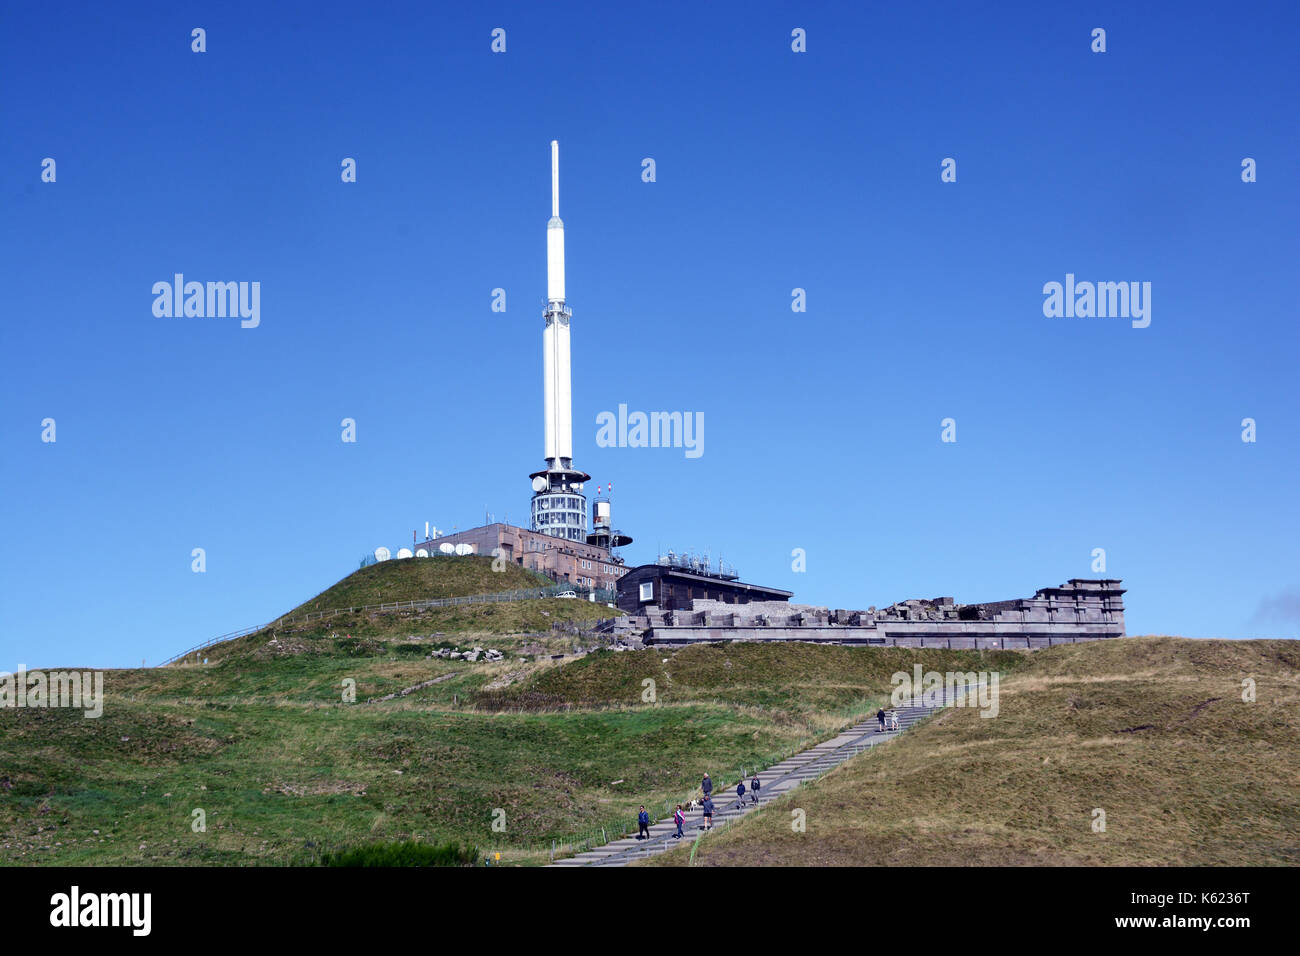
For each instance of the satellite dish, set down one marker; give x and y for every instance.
(404, 553)
(539, 483)
(382, 554)
(464, 548)
(421, 553)
(447, 548)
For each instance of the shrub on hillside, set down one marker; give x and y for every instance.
(406, 853)
(411, 650)
(356, 647)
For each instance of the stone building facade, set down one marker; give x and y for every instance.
(566, 562)
(1080, 610)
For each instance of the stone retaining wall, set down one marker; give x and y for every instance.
(1082, 610)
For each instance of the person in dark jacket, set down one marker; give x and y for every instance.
(706, 785)
(880, 716)
(679, 818)
(643, 824)
(708, 814)
(740, 793)
(753, 789)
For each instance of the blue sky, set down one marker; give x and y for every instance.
(775, 170)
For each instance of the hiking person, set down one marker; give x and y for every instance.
(740, 793)
(706, 785)
(678, 818)
(753, 788)
(708, 814)
(880, 716)
(893, 718)
(643, 825)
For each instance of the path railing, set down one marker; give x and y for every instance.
(850, 715)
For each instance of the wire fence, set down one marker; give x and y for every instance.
(601, 595)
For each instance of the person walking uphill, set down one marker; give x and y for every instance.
(708, 814)
(753, 789)
(643, 825)
(706, 785)
(880, 716)
(678, 818)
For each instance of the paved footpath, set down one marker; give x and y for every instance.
(776, 780)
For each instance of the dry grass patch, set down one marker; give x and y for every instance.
(1186, 772)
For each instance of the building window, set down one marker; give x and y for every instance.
(648, 591)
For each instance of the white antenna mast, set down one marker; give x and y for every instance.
(555, 340)
(555, 177)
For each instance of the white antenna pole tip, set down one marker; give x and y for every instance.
(555, 177)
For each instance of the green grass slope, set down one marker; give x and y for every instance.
(1154, 732)
(413, 579)
(792, 679)
(284, 770)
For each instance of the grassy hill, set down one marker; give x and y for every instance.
(1152, 731)
(261, 739)
(284, 769)
(556, 742)
(392, 582)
